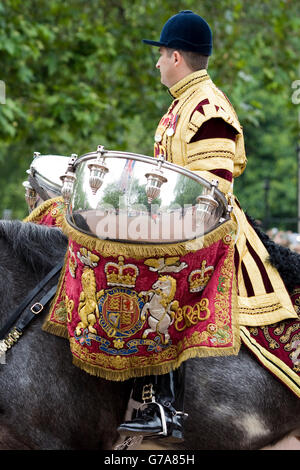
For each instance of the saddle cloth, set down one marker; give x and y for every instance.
(277, 347)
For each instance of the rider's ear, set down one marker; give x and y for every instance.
(177, 58)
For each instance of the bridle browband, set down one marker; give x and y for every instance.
(10, 334)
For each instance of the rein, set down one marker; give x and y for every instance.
(8, 335)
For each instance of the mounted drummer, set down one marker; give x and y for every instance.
(202, 133)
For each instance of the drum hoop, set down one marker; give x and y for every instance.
(47, 184)
(153, 161)
(135, 242)
(43, 180)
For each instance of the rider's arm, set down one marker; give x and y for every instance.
(212, 152)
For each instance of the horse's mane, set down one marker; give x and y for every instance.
(40, 246)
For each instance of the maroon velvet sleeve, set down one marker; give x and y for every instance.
(215, 128)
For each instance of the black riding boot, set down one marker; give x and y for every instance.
(161, 413)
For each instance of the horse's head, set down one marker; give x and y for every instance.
(166, 286)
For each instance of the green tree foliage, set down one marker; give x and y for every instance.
(77, 75)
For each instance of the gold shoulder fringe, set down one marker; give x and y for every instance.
(40, 211)
(139, 251)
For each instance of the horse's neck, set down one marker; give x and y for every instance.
(157, 302)
(16, 280)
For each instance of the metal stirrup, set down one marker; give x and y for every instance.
(148, 397)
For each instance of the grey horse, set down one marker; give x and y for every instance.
(233, 403)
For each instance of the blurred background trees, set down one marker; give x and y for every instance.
(77, 75)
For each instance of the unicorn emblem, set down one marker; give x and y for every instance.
(161, 307)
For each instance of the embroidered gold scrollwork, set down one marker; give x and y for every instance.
(287, 336)
(188, 315)
(279, 329)
(272, 343)
(69, 306)
(297, 306)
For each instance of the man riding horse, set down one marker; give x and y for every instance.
(140, 310)
(201, 132)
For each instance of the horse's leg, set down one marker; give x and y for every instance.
(162, 328)
(144, 311)
(235, 403)
(50, 403)
(153, 324)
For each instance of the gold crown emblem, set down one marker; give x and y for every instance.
(120, 274)
(199, 278)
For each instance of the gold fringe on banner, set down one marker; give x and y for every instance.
(57, 330)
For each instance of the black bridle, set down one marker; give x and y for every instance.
(28, 310)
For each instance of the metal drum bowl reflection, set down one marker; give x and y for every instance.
(44, 180)
(129, 197)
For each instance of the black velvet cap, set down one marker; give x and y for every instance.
(186, 31)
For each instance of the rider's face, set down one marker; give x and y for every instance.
(166, 66)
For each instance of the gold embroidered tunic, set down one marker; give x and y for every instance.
(183, 137)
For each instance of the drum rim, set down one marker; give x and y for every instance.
(42, 179)
(47, 184)
(138, 242)
(152, 160)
